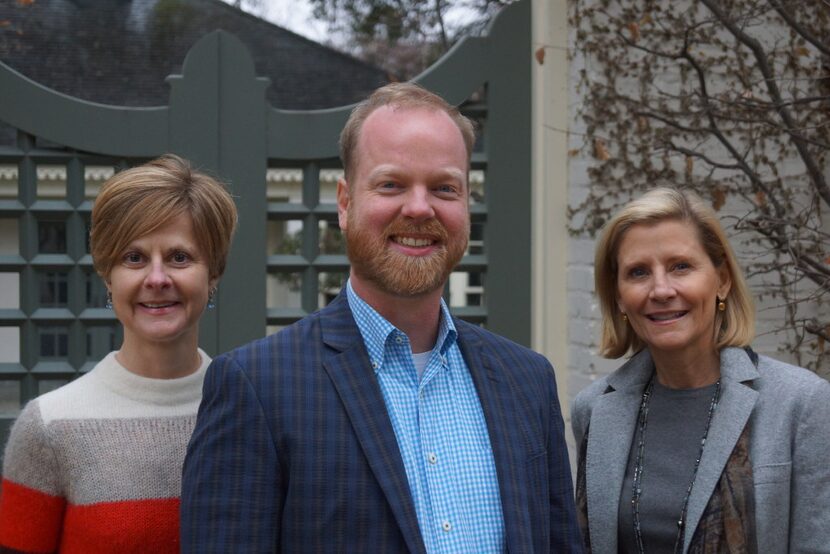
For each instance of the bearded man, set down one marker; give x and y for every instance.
(382, 423)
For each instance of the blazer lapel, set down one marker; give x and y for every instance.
(498, 403)
(611, 431)
(609, 442)
(351, 372)
(731, 415)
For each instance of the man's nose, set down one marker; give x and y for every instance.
(418, 204)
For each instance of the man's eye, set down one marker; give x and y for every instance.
(388, 185)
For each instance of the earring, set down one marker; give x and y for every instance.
(108, 304)
(721, 305)
(625, 317)
(211, 299)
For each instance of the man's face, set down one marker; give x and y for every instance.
(404, 211)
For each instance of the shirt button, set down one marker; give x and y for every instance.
(399, 339)
(432, 458)
(375, 364)
(446, 526)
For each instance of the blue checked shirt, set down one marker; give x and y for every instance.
(441, 433)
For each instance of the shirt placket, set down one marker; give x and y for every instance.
(407, 424)
(437, 457)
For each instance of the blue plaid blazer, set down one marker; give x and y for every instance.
(293, 450)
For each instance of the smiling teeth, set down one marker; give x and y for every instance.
(664, 317)
(408, 241)
(157, 305)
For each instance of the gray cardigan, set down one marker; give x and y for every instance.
(788, 409)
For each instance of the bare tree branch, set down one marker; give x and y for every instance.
(800, 29)
(816, 173)
(695, 154)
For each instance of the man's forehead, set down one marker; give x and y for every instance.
(389, 118)
(392, 133)
(404, 113)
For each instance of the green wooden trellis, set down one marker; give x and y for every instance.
(219, 119)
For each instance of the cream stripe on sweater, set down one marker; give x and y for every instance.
(110, 435)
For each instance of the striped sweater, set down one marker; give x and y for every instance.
(95, 466)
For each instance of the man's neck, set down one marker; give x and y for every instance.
(418, 317)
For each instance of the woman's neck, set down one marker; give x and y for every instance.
(160, 360)
(688, 370)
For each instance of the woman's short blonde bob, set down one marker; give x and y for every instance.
(137, 201)
(734, 327)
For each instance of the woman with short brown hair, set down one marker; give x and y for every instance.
(95, 466)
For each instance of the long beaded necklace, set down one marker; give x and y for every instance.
(642, 421)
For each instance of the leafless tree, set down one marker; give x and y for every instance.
(730, 98)
(403, 37)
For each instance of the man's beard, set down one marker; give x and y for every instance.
(396, 273)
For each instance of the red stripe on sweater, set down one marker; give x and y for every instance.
(29, 519)
(32, 521)
(124, 527)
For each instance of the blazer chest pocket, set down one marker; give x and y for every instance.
(772, 505)
(771, 473)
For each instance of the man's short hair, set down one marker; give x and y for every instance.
(404, 96)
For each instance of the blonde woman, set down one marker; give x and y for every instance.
(695, 444)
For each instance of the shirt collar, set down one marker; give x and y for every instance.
(376, 330)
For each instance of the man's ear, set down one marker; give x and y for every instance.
(342, 203)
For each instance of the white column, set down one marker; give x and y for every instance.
(550, 188)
